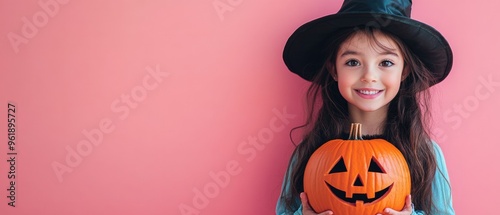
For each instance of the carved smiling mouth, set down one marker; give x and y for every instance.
(357, 196)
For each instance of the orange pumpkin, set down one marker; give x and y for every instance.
(357, 176)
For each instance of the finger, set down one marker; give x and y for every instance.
(303, 199)
(390, 211)
(406, 210)
(408, 204)
(307, 208)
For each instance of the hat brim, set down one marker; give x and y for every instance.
(302, 53)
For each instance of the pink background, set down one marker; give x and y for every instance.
(221, 103)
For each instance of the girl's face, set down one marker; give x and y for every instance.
(368, 71)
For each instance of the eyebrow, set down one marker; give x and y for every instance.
(351, 52)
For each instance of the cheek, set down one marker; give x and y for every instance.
(392, 91)
(347, 79)
(393, 80)
(344, 87)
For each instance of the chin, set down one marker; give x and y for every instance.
(371, 108)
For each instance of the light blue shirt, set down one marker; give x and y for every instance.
(441, 191)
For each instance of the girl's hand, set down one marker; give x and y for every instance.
(306, 208)
(406, 210)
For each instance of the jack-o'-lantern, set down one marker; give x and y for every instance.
(357, 176)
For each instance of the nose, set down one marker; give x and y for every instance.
(358, 182)
(369, 74)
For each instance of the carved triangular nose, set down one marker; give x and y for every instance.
(358, 182)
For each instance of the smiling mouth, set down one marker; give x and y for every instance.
(358, 196)
(369, 92)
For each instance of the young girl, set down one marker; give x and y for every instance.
(370, 63)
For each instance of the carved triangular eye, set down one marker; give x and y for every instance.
(375, 166)
(339, 166)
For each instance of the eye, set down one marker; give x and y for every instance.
(352, 63)
(386, 63)
(375, 166)
(339, 166)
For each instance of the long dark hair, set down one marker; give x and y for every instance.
(405, 126)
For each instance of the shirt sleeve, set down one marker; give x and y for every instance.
(280, 206)
(441, 188)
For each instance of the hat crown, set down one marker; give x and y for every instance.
(391, 7)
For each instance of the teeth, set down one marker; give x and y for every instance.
(369, 92)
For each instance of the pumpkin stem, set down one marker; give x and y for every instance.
(355, 133)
